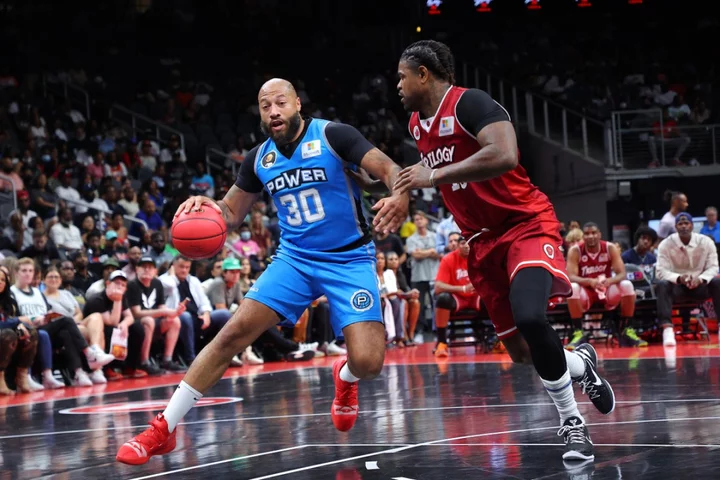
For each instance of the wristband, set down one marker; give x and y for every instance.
(432, 178)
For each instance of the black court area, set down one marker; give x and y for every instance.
(417, 422)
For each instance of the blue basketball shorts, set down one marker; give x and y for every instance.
(296, 278)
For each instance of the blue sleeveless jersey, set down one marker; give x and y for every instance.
(319, 207)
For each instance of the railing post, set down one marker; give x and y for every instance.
(546, 119)
(514, 104)
(714, 151)
(502, 93)
(584, 135)
(662, 140)
(465, 74)
(530, 113)
(609, 144)
(564, 128)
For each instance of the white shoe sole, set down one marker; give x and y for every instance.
(573, 455)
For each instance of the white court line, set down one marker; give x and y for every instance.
(363, 412)
(248, 374)
(219, 462)
(495, 444)
(444, 440)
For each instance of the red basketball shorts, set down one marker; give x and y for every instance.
(495, 259)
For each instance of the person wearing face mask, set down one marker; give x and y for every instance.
(249, 248)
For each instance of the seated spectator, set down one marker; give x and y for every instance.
(65, 235)
(8, 170)
(640, 254)
(18, 343)
(598, 276)
(129, 202)
(83, 276)
(158, 251)
(112, 305)
(200, 323)
(249, 249)
(260, 234)
(442, 234)
(147, 159)
(117, 225)
(395, 315)
(67, 272)
(408, 296)
(573, 237)
(113, 249)
(114, 168)
(150, 216)
(202, 183)
(246, 280)
(42, 251)
(87, 225)
(453, 292)
(146, 297)
(389, 242)
(673, 141)
(134, 255)
(711, 227)
(64, 333)
(43, 200)
(109, 265)
(94, 251)
(64, 303)
(215, 273)
(65, 190)
(173, 146)
(23, 208)
(154, 194)
(18, 236)
(687, 269)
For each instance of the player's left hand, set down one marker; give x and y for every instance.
(694, 283)
(410, 178)
(391, 212)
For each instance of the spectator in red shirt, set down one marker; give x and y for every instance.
(667, 135)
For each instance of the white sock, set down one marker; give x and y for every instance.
(561, 392)
(184, 398)
(346, 375)
(47, 374)
(575, 363)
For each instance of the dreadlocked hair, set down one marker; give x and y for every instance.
(433, 55)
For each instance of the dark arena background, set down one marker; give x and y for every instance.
(112, 113)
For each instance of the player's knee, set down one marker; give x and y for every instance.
(368, 364)
(445, 301)
(626, 288)
(576, 291)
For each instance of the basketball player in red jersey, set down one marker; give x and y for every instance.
(590, 266)
(468, 150)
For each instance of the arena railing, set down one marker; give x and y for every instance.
(99, 220)
(141, 123)
(3, 212)
(634, 136)
(546, 118)
(78, 96)
(215, 160)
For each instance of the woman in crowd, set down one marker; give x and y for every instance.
(408, 296)
(17, 342)
(389, 293)
(246, 280)
(92, 328)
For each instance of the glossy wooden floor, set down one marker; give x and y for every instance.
(474, 416)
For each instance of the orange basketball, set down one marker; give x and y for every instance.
(199, 235)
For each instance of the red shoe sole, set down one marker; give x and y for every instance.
(143, 460)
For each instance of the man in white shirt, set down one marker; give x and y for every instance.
(66, 191)
(687, 268)
(65, 235)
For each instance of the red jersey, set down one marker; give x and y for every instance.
(450, 137)
(592, 265)
(453, 270)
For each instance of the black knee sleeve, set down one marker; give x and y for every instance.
(445, 301)
(529, 294)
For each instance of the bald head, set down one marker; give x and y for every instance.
(275, 86)
(280, 111)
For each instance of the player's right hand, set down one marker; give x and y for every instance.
(391, 212)
(195, 204)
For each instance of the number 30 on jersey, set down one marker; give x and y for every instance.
(299, 209)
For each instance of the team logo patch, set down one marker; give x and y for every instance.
(549, 251)
(584, 258)
(146, 406)
(268, 160)
(416, 132)
(311, 149)
(447, 126)
(362, 301)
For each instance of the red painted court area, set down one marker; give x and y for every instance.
(470, 416)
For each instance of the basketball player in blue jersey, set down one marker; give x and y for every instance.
(325, 249)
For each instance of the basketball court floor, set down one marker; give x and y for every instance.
(473, 416)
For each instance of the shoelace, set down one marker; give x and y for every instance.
(573, 433)
(630, 333)
(588, 387)
(576, 336)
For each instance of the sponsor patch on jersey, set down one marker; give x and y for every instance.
(143, 406)
(603, 258)
(311, 149)
(447, 126)
(584, 258)
(362, 301)
(549, 251)
(268, 160)
(416, 132)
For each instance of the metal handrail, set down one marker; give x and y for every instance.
(106, 212)
(12, 186)
(136, 116)
(67, 85)
(219, 153)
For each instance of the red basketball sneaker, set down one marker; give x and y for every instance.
(344, 410)
(156, 440)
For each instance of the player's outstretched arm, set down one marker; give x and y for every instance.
(393, 210)
(365, 182)
(234, 207)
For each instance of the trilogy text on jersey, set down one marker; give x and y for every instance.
(295, 178)
(440, 155)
